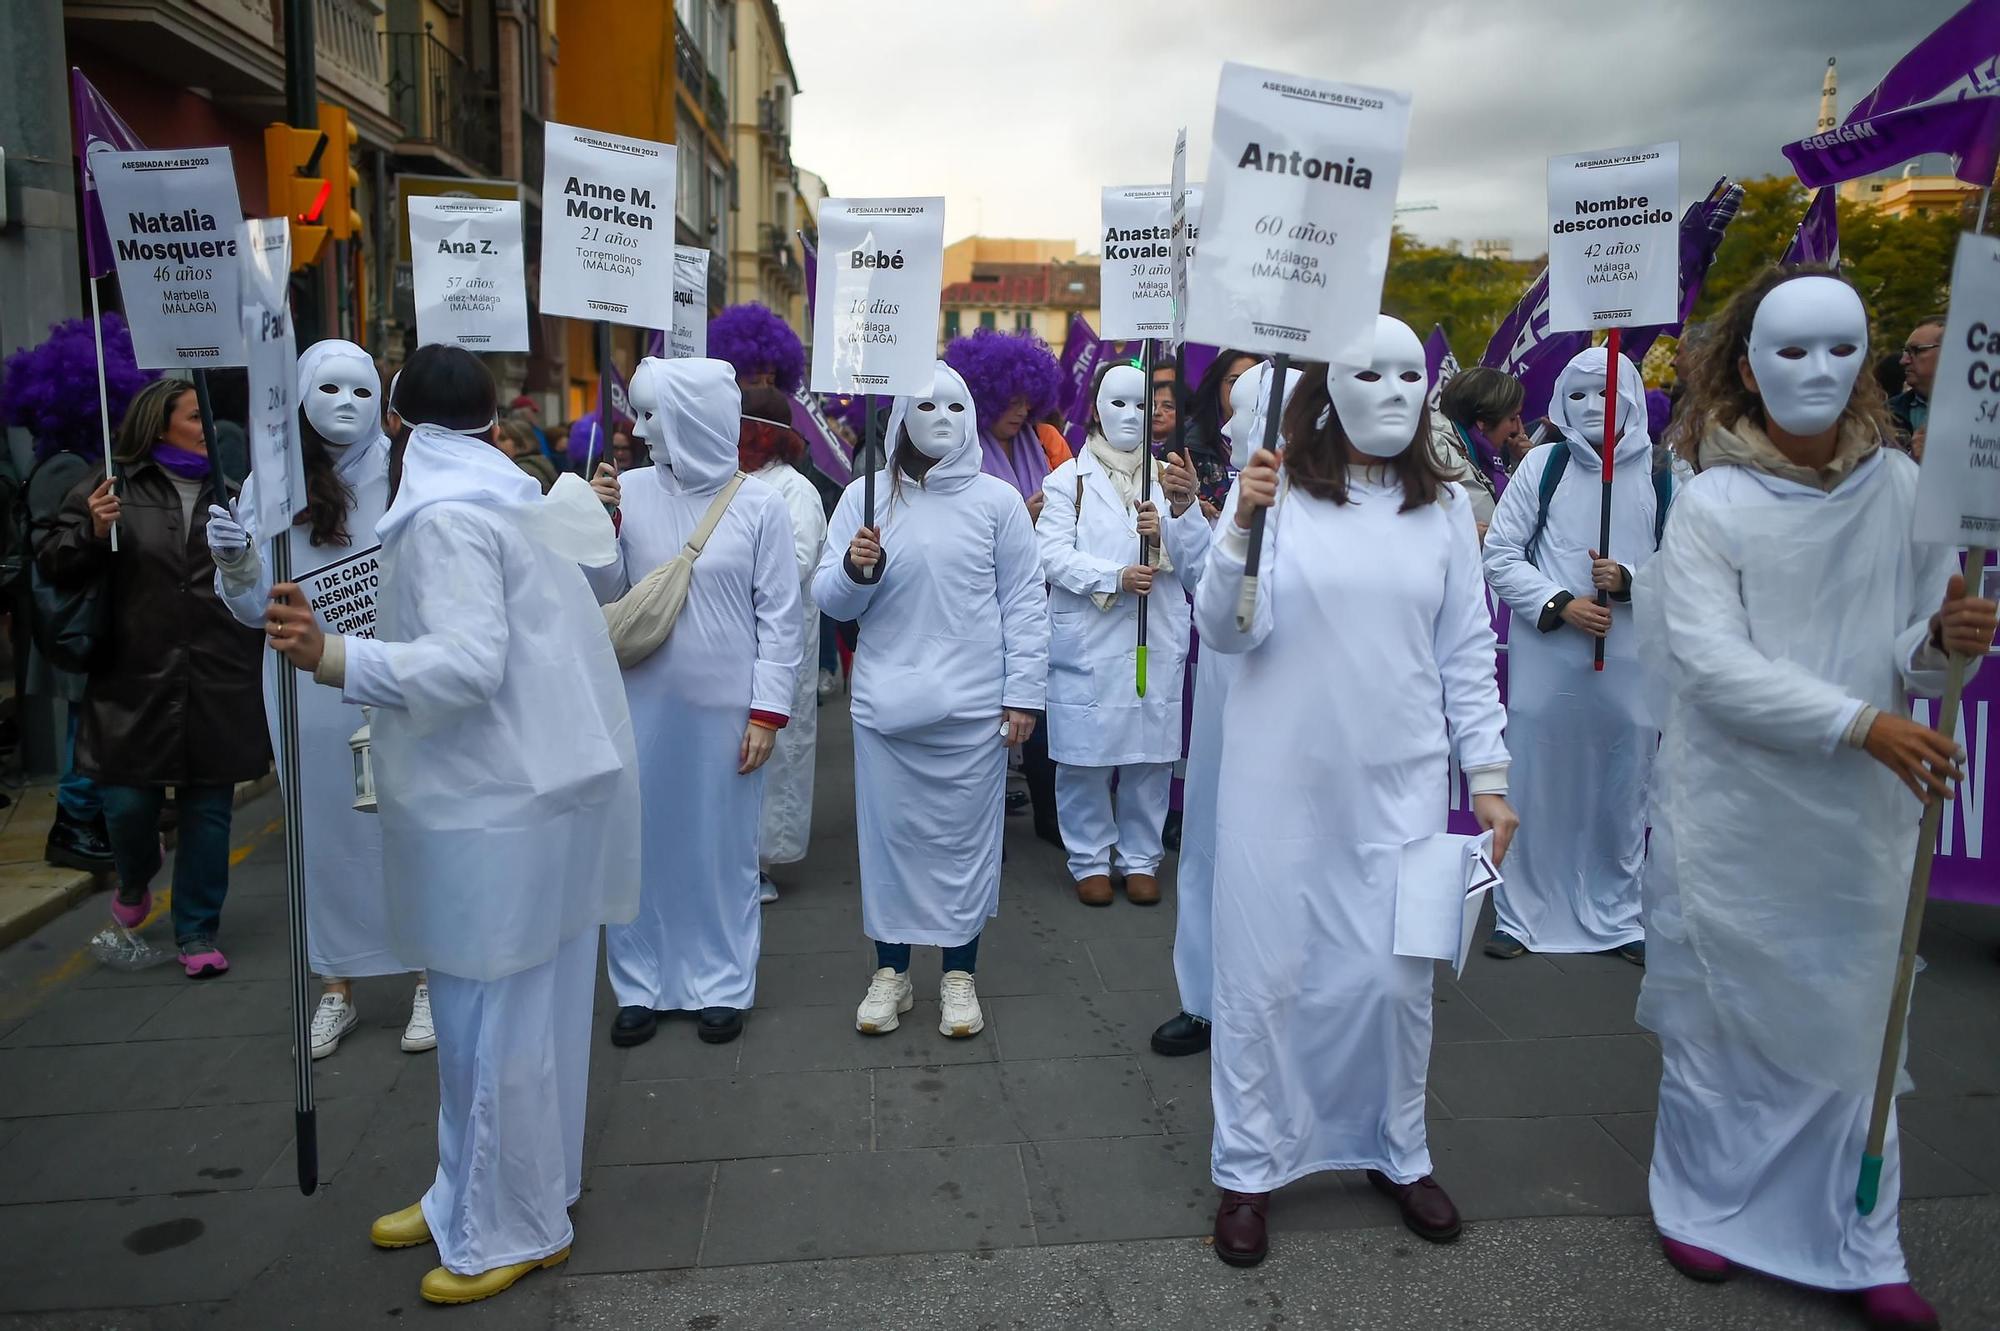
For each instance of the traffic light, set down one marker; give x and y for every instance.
(296, 188)
(343, 219)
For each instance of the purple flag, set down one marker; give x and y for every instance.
(94, 124)
(1437, 355)
(1818, 238)
(1967, 129)
(1082, 349)
(1702, 228)
(1956, 61)
(829, 452)
(1524, 347)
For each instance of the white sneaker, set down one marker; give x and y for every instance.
(962, 1016)
(889, 995)
(334, 1017)
(767, 891)
(420, 1035)
(829, 684)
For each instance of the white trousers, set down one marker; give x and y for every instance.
(513, 1060)
(1092, 829)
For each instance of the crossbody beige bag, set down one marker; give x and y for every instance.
(642, 618)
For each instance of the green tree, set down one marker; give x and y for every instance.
(1427, 284)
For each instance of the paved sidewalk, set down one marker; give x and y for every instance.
(1050, 1172)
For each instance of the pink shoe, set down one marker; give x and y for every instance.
(1696, 1263)
(1898, 1308)
(134, 915)
(201, 958)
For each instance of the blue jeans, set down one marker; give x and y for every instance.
(76, 793)
(896, 956)
(201, 858)
(829, 646)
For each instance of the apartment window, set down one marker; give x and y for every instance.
(688, 203)
(951, 323)
(987, 319)
(718, 202)
(1024, 321)
(715, 40)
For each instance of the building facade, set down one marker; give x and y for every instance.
(1017, 285)
(765, 260)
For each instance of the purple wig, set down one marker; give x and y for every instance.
(50, 389)
(755, 340)
(999, 367)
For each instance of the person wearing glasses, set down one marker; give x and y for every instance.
(1910, 410)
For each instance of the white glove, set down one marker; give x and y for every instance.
(226, 535)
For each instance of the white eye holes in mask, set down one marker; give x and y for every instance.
(932, 406)
(331, 389)
(1843, 350)
(1375, 377)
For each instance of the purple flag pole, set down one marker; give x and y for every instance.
(92, 121)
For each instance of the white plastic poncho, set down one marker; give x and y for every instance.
(502, 744)
(955, 630)
(1780, 855)
(1581, 739)
(734, 650)
(1096, 716)
(788, 780)
(347, 906)
(1322, 1035)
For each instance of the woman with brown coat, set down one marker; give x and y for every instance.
(173, 697)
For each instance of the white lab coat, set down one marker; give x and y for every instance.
(1096, 716)
(1581, 739)
(734, 650)
(788, 776)
(1775, 890)
(1371, 637)
(347, 907)
(510, 826)
(955, 630)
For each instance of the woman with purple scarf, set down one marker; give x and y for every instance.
(174, 697)
(1014, 380)
(1474, 433)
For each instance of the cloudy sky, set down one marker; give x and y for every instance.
(1018, 111)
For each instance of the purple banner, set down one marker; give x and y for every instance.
(1818, 238)
(1524, 347)
(92, 124)
(1437, 355)
(1083, 351)
(1702, 228)
(1968, 130)
(829, 452)
(1955, 60)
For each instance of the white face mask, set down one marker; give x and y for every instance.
(1379, 403)
(937, 423)
(1583, 405)
(1808, 342)
(1121, 407)
(645, 407)
(344, 401)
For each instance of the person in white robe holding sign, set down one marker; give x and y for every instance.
(1581, 741)
(347, 491)
(1101, 731)
(951, 668)
(1370, 658)
(707, 704)
(1790, 615)
(767, 449)
(510, 828)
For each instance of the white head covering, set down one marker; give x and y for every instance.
(690, 410)
(1585, 373)
(954, 470)
(1247, 398)
(314, 361)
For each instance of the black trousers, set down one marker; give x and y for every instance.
(1040, 772)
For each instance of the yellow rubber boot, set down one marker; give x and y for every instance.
(442, 1286)
(401, 1229)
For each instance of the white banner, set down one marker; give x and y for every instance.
(1614, 238)
(1186, 224)
(276, 459)
(689, 335)
(342, 594)
(175, 227)
(1958, 487)
(1138, 276)
(607, 227)
(470, 284)
(1300, 199)
(881, 274)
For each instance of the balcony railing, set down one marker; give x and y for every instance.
(689, 67)
(349, 56)
(441, 101)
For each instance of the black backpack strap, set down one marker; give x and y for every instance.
(1551, 477)
(1663, 498)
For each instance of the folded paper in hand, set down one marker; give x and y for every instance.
(1440, 887)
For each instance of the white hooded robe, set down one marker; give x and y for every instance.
(1581, 739)
(1369, 660)
(788, 778)
(955, 630)
(735, 649)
